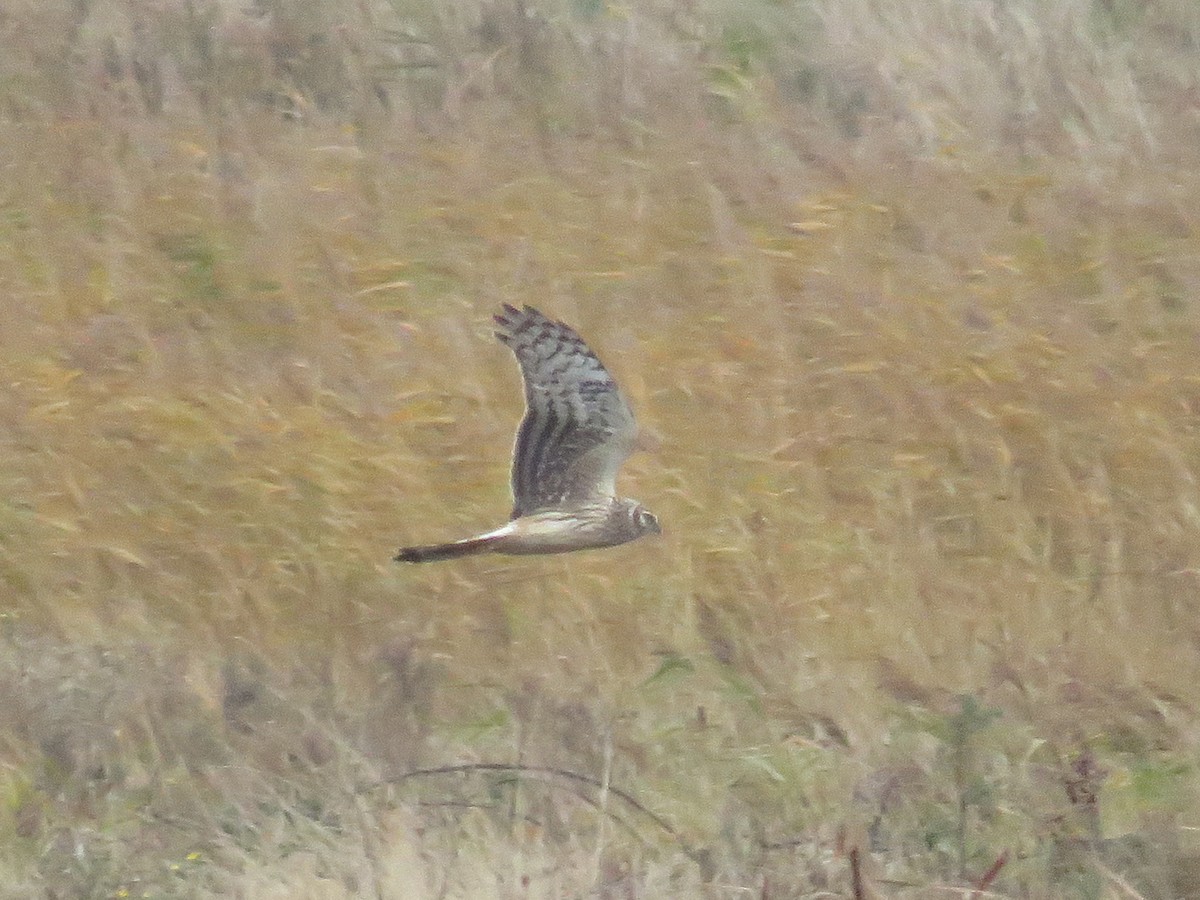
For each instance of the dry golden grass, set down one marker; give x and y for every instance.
(904, 298)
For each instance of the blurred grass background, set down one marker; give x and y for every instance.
(904, 296)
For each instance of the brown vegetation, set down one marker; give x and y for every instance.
(904, 296)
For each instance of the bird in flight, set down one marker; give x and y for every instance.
(577, 432)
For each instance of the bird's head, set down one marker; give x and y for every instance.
(643, 520)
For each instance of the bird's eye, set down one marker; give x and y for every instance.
(647, 521)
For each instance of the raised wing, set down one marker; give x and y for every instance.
(577, 429)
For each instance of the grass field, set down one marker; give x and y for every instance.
(904, 296)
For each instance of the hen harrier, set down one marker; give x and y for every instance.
(576, 433)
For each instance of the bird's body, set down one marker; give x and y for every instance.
(545, 531)
(576, 434)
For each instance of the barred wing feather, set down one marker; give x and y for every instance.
(577, 430)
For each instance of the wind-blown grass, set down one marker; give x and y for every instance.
(903, 298)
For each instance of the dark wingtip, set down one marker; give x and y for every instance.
(504, 319)
(513, 320)
(510, 311)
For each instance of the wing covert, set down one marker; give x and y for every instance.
(577, 430)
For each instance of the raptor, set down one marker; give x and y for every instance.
(577, 432)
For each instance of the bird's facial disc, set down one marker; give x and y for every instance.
(646, 521)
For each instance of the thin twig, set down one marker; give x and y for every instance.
(545, 772)
(989, 876)
(1124, 886)
(856, 882)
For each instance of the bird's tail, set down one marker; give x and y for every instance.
(453, 550)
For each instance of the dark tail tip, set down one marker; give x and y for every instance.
(435, 552)
(419, 554)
